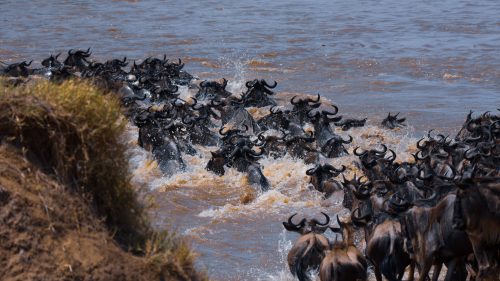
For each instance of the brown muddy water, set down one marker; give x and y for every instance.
(432, 60)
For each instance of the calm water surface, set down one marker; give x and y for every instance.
(432, 60)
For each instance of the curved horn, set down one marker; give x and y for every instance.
(358, 153)
(330, 167)
(336, 110)
(419, 146)
(315, 101)
(292, 226)
(292, 100)
(384, 147)
(312, 171)
(221, 131)
(339, 222)
(269, 86)
(393, 156)
(347, 141)
(327, 220)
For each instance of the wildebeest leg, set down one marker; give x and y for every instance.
(437, 271)
(456, 270)
(377, 273)
(424, 270)
(411, 274)
(482, 259)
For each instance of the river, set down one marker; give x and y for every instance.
(433, 61)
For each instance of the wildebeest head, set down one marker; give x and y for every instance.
(305, 105)
(308, 250)
(334, 147)
(17, 69)
(258, 92)
(116, 63)
(277, 119)
(355, 190)
(322, 178)
(216, 163)
(78, 59)
(212, 90)
(392, 121)
(324, 118)
(307, 226)
(347, 124)
(52, 61)
(369, 158)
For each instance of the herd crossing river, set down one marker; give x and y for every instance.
(432, 62)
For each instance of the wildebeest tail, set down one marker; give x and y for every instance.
(389, 267)
(300, 272)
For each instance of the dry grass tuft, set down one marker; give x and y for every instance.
(73, 132)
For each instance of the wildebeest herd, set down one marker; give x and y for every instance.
(441, 208)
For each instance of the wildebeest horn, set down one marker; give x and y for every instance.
(347, 141)
(331, 168)
(216, 103)
(339, 222)
(336, 110)
(419, 146)
(271, 110)
(292, 100)
(358, 220)
(358, 153)
(315, 101)
(195, 101)
(420, 158)
(393, 156)
(429, 134)
(292, 226)
(384, 150)
(269, 86)
(423, 177)
(322, 224)
(311, 171)
(221, 131)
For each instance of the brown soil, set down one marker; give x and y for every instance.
(48, 233)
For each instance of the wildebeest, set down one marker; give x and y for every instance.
(343, 261)
(435, 241)
(322, 178)
(477, 211)
(392, 121)
(308, 250)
